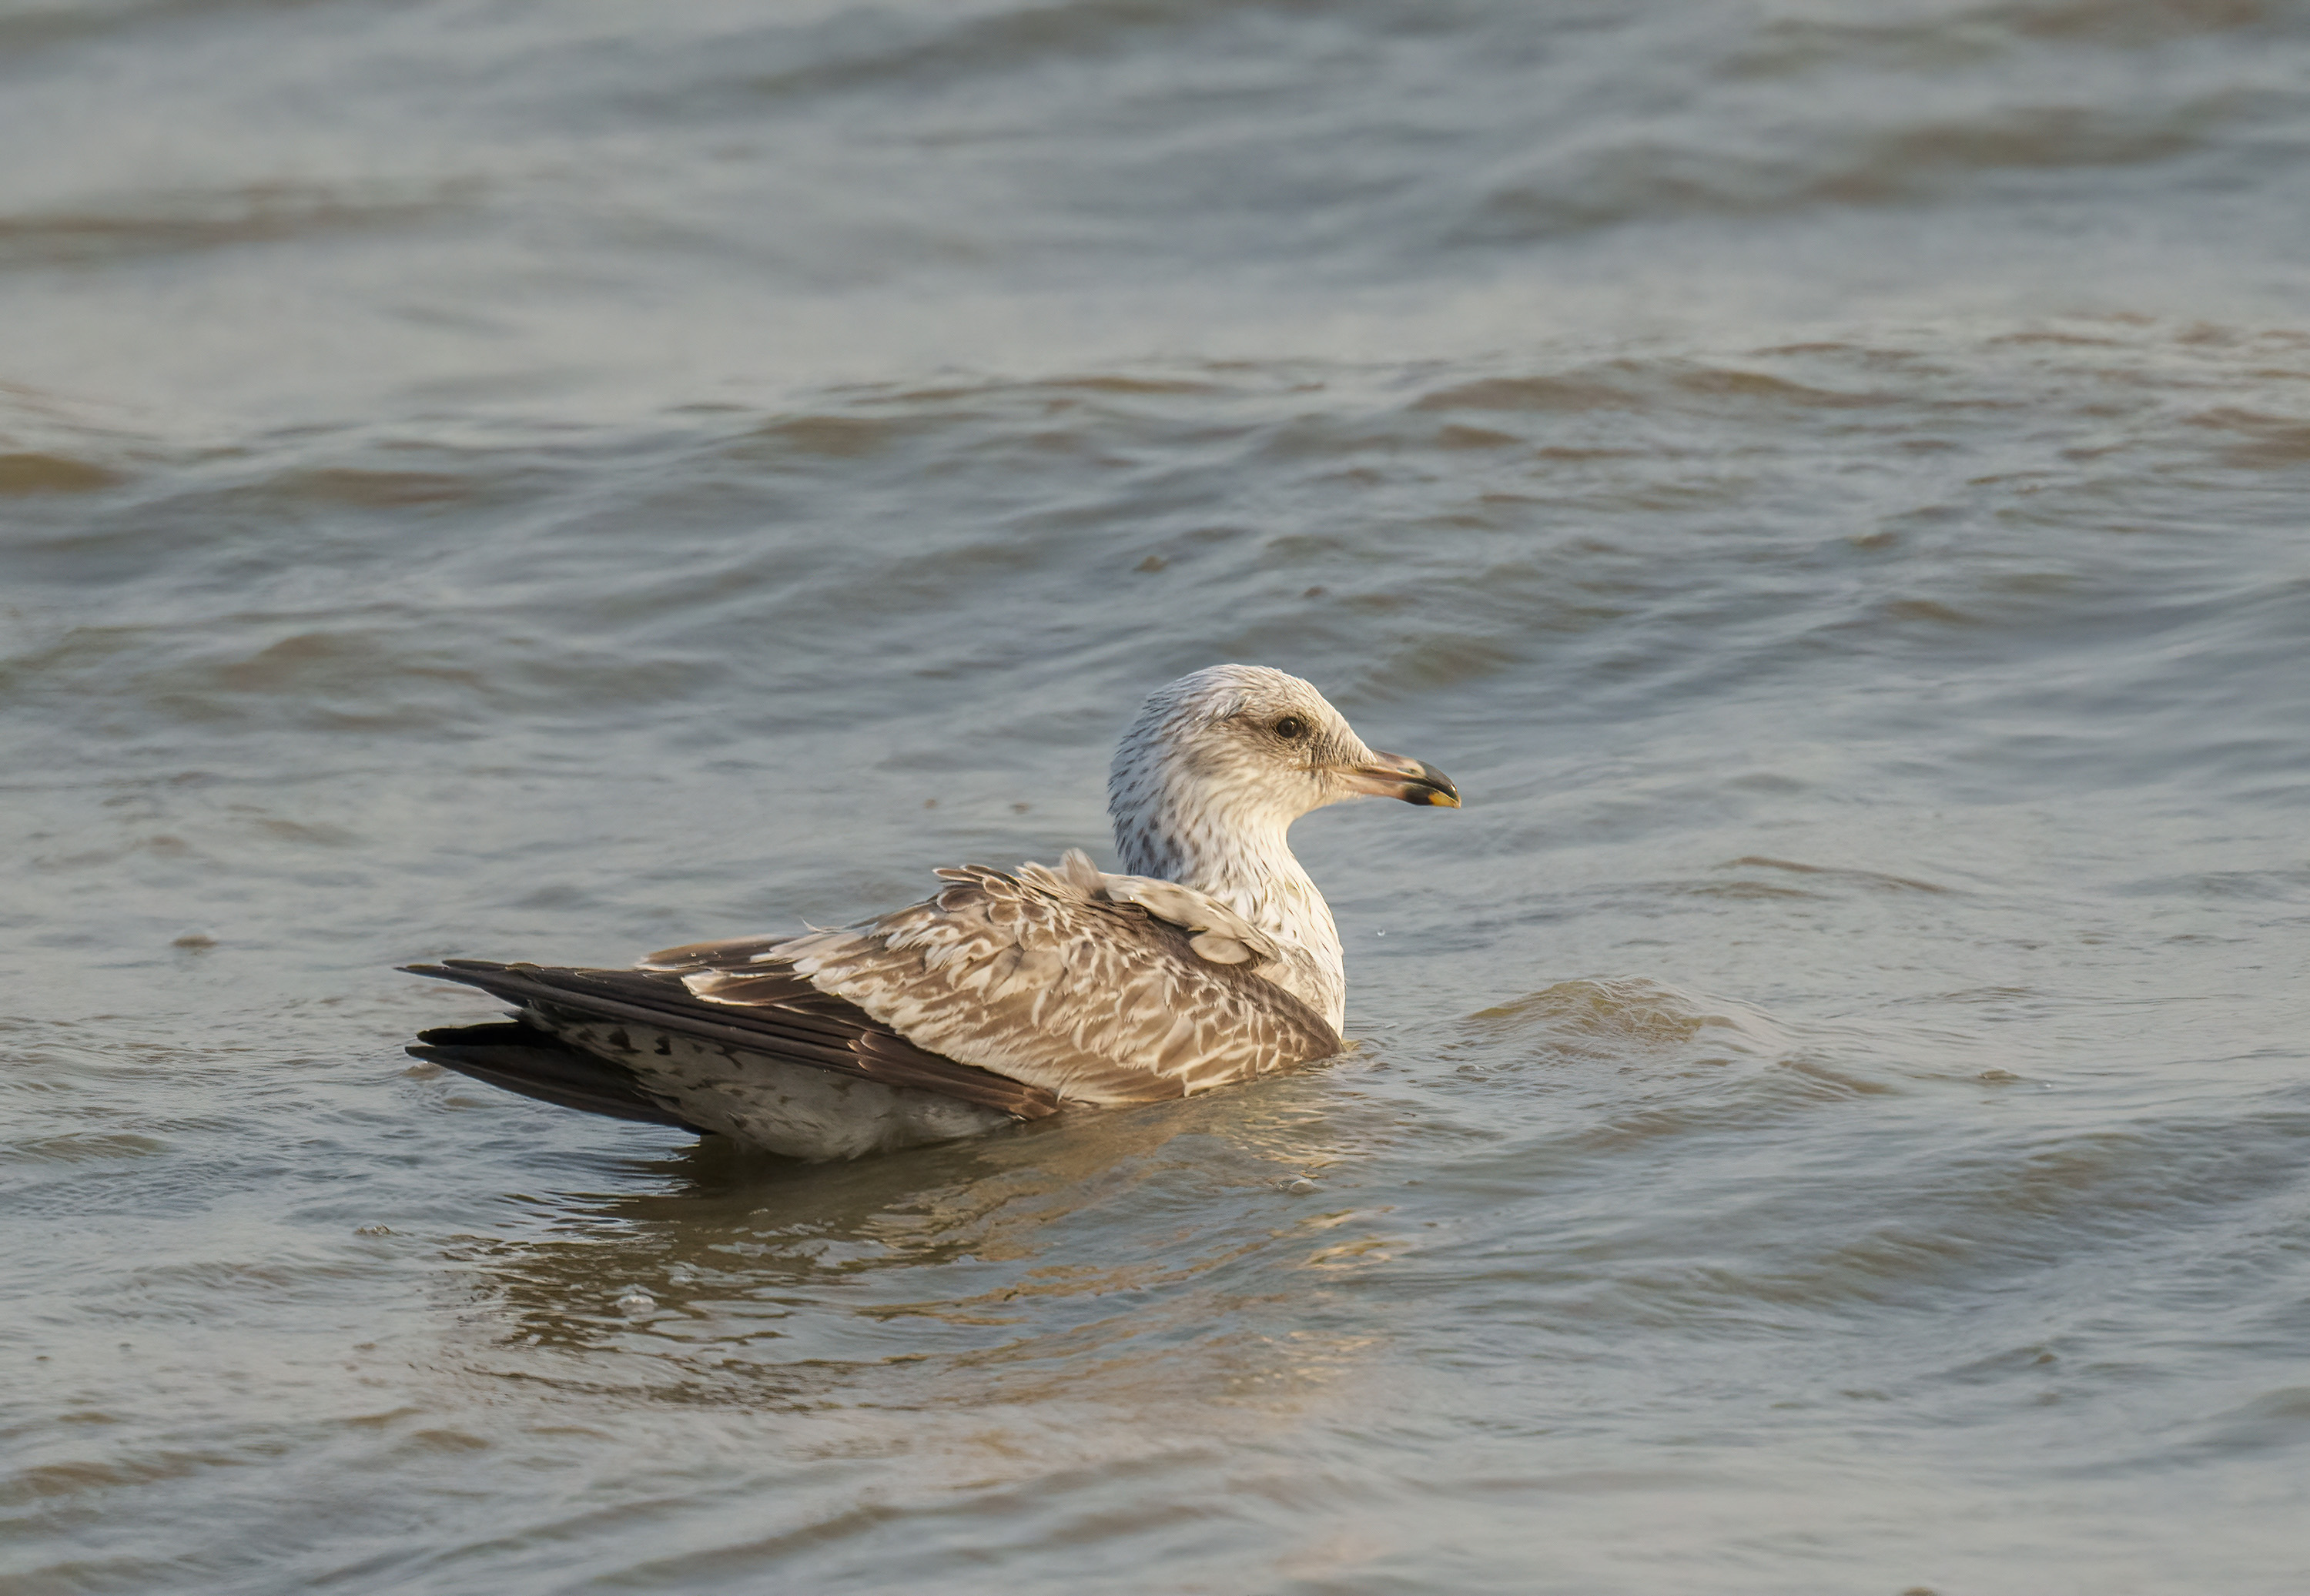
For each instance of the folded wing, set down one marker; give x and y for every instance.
(789, 1020)
(1047, 978)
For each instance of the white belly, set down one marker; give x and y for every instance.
(781, 1107)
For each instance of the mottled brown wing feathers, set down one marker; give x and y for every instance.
(1012, 991)
(812, 1029)
(1043, 978)
(701, 956)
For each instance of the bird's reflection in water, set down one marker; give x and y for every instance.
(1046, 1251)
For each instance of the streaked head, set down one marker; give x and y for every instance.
(1239, 745)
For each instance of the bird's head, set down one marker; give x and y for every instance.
(1243, 744)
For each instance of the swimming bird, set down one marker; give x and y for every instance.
(1006, 996)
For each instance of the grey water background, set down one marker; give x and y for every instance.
(547, 482)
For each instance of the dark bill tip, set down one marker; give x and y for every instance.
(1431, 786)
(1414, 781)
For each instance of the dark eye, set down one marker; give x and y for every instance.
(1291, 728)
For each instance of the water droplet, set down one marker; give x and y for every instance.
(1301, 1185)
(634, 1300)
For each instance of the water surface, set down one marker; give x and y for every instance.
(549, 482)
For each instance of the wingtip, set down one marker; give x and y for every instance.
(461, 969)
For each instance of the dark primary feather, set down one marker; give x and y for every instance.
(786, 1017)
(537, 1063)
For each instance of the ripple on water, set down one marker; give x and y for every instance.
(1797, 1133)
(26, 473)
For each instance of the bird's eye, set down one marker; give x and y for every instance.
(1291, 728)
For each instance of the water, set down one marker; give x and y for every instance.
(552, 482)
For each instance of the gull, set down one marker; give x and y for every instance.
(1006, 996)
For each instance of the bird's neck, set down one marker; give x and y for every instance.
(1245, 860)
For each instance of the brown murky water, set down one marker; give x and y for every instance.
(1829, 480)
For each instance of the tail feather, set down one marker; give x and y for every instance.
(792, 1021)
(537, 1063)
